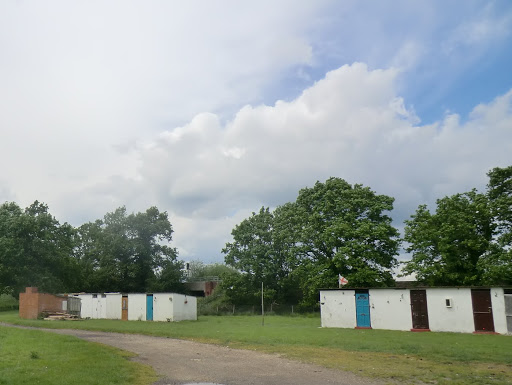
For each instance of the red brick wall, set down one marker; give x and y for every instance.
(33, 303)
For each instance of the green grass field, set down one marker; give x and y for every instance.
(442, 358)
(35, 357)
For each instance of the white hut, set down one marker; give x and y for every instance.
(139, 306)
(450, 309)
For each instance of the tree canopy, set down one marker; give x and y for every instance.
(35, 250)
(333, 228)
(122, 252)
(467, 241)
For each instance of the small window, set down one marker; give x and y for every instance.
(95, 296)
(448, 302)
(103, 296)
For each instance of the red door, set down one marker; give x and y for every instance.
(419, 310)
(482, 310)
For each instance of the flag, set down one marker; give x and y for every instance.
(342, 280)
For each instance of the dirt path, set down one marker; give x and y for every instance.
(183, 362)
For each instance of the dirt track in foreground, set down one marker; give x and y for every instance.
(182, 362)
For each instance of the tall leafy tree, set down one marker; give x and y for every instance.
(259, 255)
(344, 229)
(497, 264)
(333, 228)
(447, 246)
(35, 250)
(129, 252)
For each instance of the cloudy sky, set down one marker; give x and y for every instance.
(211, 109)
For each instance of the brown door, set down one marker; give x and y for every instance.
(124, 312)
(419, 309)
(482, 310)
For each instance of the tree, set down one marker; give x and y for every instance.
(258, 255)
(345, 230)
(35, 250)
(129, 252)
(333, 228)
(497, 264)
(447, 246)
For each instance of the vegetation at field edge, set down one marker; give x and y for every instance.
(36, 357)
(442, 358)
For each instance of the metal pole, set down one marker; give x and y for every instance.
(262, 307)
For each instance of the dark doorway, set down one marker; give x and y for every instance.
(482, 310)
(419, 310)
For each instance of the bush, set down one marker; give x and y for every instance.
(8, 302)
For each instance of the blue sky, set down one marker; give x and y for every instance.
(210, 110)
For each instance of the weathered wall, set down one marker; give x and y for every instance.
(390, 309)
(33, 303)
(498, 309)
(163, 307)
(184, 307)
(458, 318)
(338, 308)
(86, 300)
(113, 306)
(137, 307)
(29, 303)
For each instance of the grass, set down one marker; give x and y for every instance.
(441, 358)
(36, 357)
(8, 302)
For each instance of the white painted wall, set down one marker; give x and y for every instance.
(458, 318)
(338, 308)
(498, 310)
(137, 307)
(86, 302)
(113, 306)
(390, 309)
(163, 307)
(184, 307)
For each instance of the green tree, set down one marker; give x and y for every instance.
(344, 229)
(35, 250)
(129, 252)
(447, 246)
(333, 228)
(497, 263)
(255, 252)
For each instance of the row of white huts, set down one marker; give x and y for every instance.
(168, 307)
(446, 309)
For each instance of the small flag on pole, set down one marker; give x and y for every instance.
(342, 280)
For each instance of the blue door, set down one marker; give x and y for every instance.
(149, 307)
(362, 310)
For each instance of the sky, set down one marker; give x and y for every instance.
(211, 109)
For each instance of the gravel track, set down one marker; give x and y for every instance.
(181, 362)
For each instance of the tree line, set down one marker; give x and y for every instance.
(331, 229)
(121, 252)
(335, 228)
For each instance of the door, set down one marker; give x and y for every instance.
(149, 307)
(482, 310)
(363, 309)
(124, 308)
(419, 309)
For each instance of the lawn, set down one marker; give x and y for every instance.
(35, 357)
(428, 357)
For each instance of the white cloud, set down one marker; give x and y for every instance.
(350, 124)
(174, 104)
